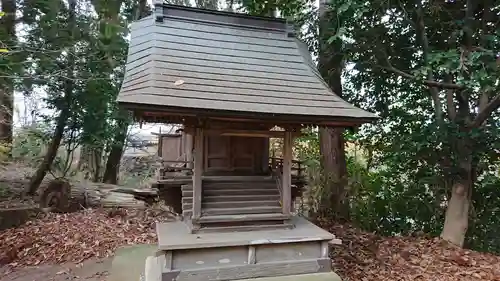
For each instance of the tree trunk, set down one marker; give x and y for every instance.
(115, 155)
(457, 215)
(51, 154)
(333, 159)
(63, 196)
(97, 164)
(113, 163)
(90, 162)
(457, 212)
(83, 161)
(69, 86)
(7, 23)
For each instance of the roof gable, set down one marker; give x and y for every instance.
(198, 59)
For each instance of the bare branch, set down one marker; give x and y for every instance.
(429, 83)
(420, 28)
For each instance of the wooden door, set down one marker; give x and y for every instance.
(217, 152)
(233, 154)
(243, 153)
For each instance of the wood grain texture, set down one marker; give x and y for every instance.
(251, 255)
(197, 173)
(286, 178)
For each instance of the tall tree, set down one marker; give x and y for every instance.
(331, 140)
(442, 56)
(8, 41)
(122, 120)
(108, 50)
(64, 38)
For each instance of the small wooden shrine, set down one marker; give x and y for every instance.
(232, 81)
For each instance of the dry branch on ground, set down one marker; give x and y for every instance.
(69, 194)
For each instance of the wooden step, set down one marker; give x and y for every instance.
(229, 198)
(240, 211)
(237, 218)
(239, 186)
(233, 192)
(243, 228)
(187, 206)
(233, 204)
(226, 198)
(236, 178)
(217, 186)
(240, 204)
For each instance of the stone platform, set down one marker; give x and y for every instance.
(183, 256)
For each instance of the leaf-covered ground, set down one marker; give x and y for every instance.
(365, 256)
(75, 237)
(62, 238)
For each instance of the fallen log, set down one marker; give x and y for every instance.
(63, 196)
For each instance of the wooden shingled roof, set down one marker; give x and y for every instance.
(194, 60)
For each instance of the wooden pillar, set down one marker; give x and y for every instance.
(265, 156)
(188, 148)
(287, 173)
(197, 174)
(160, 146)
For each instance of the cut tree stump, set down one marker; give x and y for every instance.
(64, 196)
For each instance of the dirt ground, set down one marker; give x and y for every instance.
(91, 270)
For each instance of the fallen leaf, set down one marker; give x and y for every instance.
(365, 256)
(60, 238)
(179, 82)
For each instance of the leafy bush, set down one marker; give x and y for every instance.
(391, 199)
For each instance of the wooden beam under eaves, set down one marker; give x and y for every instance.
(243, 133)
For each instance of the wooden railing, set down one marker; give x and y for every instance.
(277, 173)
(177, 165)
(297, 166)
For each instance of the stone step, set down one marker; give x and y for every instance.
(211, 229)
(233, 204)
(240, 211)
(239, 218)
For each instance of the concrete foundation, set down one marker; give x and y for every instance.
(299, 254)
(328, 276)
(281, 253)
